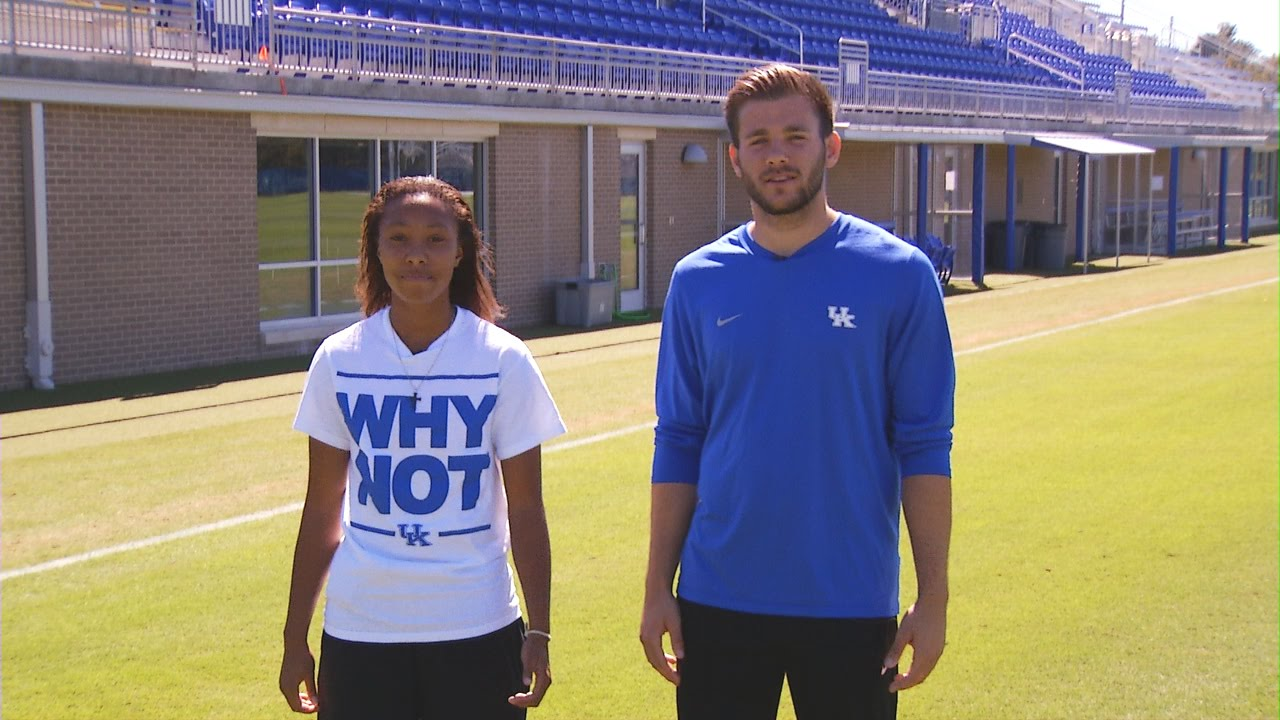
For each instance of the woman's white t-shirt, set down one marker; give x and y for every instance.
(424, 552)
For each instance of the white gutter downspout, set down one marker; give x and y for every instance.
(589, 203)
(39, 329)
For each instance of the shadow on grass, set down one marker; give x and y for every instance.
(627, 319)
(184, 380)
(998, 278)
(960, 290)
(144, 386)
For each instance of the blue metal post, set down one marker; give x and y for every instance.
(1244, 195)
(1082, 197)
(979, 241)
(1171, 222)
(922, 192)
(1010, 209)
(1222, 197)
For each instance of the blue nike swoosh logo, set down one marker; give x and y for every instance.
(721, 322)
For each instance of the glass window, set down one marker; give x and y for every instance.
(629, 222)
(284, 293)
(346, 169)
(337, 289)
(405, 158)
(312, 195)
(456, 164)
(284, 207)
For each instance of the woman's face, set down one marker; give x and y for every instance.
(418, 247)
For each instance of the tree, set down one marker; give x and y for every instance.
(1224, 44)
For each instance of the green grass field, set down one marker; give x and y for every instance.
(1114, 555)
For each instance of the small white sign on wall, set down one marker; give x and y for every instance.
(950, 181)
(1157, 182)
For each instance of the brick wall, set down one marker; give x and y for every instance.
(535, 176)
(1197, 182)
(13, 278)
(861, 183)
(608, 196)
(682, 210)
(153, 240)
(1033, 195)
(737, 206)
(1034, 176)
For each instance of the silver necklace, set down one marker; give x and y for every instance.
(443, 339)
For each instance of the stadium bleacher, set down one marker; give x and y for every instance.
(735, 29)
(1099, 70)
(892, 47)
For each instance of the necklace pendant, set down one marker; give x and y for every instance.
(415, 399)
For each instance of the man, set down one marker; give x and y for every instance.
(805, 396)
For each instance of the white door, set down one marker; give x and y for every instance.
(632, 228)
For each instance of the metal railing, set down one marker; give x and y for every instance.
(318, 44)
(1039, 61)
(325, 44)
(726, 17)
(127, 30)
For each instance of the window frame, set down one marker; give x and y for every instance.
(316, 325)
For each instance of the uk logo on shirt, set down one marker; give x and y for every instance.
(840, 317)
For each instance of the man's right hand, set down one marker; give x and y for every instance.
(662, 617)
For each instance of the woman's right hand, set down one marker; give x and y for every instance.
(298, 669)
(319, 534)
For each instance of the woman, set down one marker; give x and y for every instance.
(426, 422)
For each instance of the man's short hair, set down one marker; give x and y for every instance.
(773, 82)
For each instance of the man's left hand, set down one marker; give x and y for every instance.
(924, 628)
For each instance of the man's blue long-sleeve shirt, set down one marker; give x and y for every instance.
(796, 393)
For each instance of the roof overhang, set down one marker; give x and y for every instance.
(1084, 144)
(1258, 142)
(23, 89)
(919, 134)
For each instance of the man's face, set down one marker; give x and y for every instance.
(781, 156)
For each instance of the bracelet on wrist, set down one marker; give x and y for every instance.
(539, 633)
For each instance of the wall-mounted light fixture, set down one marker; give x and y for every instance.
(693, 154)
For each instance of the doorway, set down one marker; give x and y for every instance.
(632, 228)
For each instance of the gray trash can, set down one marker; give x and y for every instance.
(584, 302)
(995, 246)
(1051, 250)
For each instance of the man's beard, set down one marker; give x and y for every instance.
(811, 186)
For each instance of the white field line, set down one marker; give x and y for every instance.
(294, 507)
(148, 542)
(254, 517)
(1115, 316)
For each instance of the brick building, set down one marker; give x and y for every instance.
(156, 217)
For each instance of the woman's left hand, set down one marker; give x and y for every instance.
(537, 672)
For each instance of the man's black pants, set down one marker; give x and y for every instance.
(734, 664)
